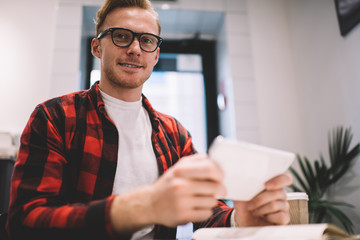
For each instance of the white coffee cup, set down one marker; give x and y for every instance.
(299, 212)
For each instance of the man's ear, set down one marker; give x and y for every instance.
(95, 48)
(157, 55)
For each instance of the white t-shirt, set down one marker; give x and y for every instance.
(136, 165)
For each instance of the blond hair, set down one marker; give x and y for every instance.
(110, 5)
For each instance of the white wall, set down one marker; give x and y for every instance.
(25, 58)
(236, 81)
(65, 75)
(327, 65)
(241, 81)
(308, 81)
(62, 57)
(328, 76)
(277, 96)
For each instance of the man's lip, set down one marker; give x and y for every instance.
(131, 65)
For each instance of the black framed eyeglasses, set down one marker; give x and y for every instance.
(123, 37)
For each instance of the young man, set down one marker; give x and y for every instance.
(103, 164)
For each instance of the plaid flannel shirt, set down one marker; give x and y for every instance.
(63, 177)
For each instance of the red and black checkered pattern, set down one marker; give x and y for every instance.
(64, 174)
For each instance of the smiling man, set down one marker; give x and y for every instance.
(103, 164)
(128, 53)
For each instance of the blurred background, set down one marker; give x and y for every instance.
(278, 73)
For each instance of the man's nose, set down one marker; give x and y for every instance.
(134, 47)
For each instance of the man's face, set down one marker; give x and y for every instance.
(125, 68)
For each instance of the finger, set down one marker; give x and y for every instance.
(198, 167)
(271, 208)
(206, 188)
(278, 218)
(191, 215)
(197, 209)
(266, 197)
(279, 182)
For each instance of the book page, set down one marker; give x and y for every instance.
(247, 166)
(287, 232)
(320, 231)
(333, 233)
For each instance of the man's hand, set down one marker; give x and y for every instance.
(187, 192)
(268, 207)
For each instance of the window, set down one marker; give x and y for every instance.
(181, 94)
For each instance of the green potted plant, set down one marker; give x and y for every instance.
(316, 178)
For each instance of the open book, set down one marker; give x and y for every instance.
(286, 232)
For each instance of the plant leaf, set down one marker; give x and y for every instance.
(311, 177)
(343, 159)
(316, 178)
(327, 203)
(343, 219)
(301, 182)
(295, 188)
(323, 177)
(306, 182)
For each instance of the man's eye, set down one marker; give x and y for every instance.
(119, 36)
(147, 40)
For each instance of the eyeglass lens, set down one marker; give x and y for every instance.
(123, 38)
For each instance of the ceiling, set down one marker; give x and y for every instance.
(175, 23)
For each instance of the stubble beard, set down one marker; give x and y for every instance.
(121, 81)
